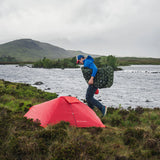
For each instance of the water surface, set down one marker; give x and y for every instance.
(137, 85)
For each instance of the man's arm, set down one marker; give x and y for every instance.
(94, 71)
(91, 81)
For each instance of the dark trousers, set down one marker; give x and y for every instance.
(90, 98)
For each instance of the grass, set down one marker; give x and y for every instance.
(130, 134)
(20, 97)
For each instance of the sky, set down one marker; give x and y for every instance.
(105, 27)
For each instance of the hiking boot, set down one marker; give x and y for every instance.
(104, 111)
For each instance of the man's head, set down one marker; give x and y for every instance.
(80, 59)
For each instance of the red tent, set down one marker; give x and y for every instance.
(64, 108)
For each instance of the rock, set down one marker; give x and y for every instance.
(38, 83)
(154, 72)
(48, 89)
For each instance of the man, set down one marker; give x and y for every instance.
(89, 63)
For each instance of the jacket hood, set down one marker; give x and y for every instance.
(90, 58)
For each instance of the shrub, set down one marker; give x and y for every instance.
(60, 63)
(123, 112)
(78, 148)
(132, 135)
(139, 110)
(95, 130)
(110, 110)
(116, 121)
(151, 143)
(62, 124)
(134, 118)
(121, 158)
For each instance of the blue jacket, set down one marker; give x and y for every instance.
(88, 62)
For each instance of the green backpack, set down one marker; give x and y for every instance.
(103, 78)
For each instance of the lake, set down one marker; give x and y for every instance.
(136, 85)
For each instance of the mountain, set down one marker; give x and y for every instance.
(31, 50)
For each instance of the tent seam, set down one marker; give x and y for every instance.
(73, 115)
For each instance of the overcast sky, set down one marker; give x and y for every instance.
(117, 27)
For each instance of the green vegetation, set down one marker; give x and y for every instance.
(5, 59)
(106, 61)
(132, 134)
(125, 61)
(20, 97)
(60, 63)
(71, 62)
(100, 62)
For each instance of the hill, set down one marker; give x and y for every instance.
(30, 50)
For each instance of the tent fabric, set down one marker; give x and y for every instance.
(64, 108)
(70, 99)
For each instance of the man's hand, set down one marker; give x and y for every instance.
(91, 81)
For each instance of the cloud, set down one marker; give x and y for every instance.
(118, 27)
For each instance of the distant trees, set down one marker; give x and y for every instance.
(59, 63)
(112, 61)
(7, 59)
(71, 62)
(106, 61)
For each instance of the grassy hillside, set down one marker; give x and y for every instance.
(31, 50)
(132, 134)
